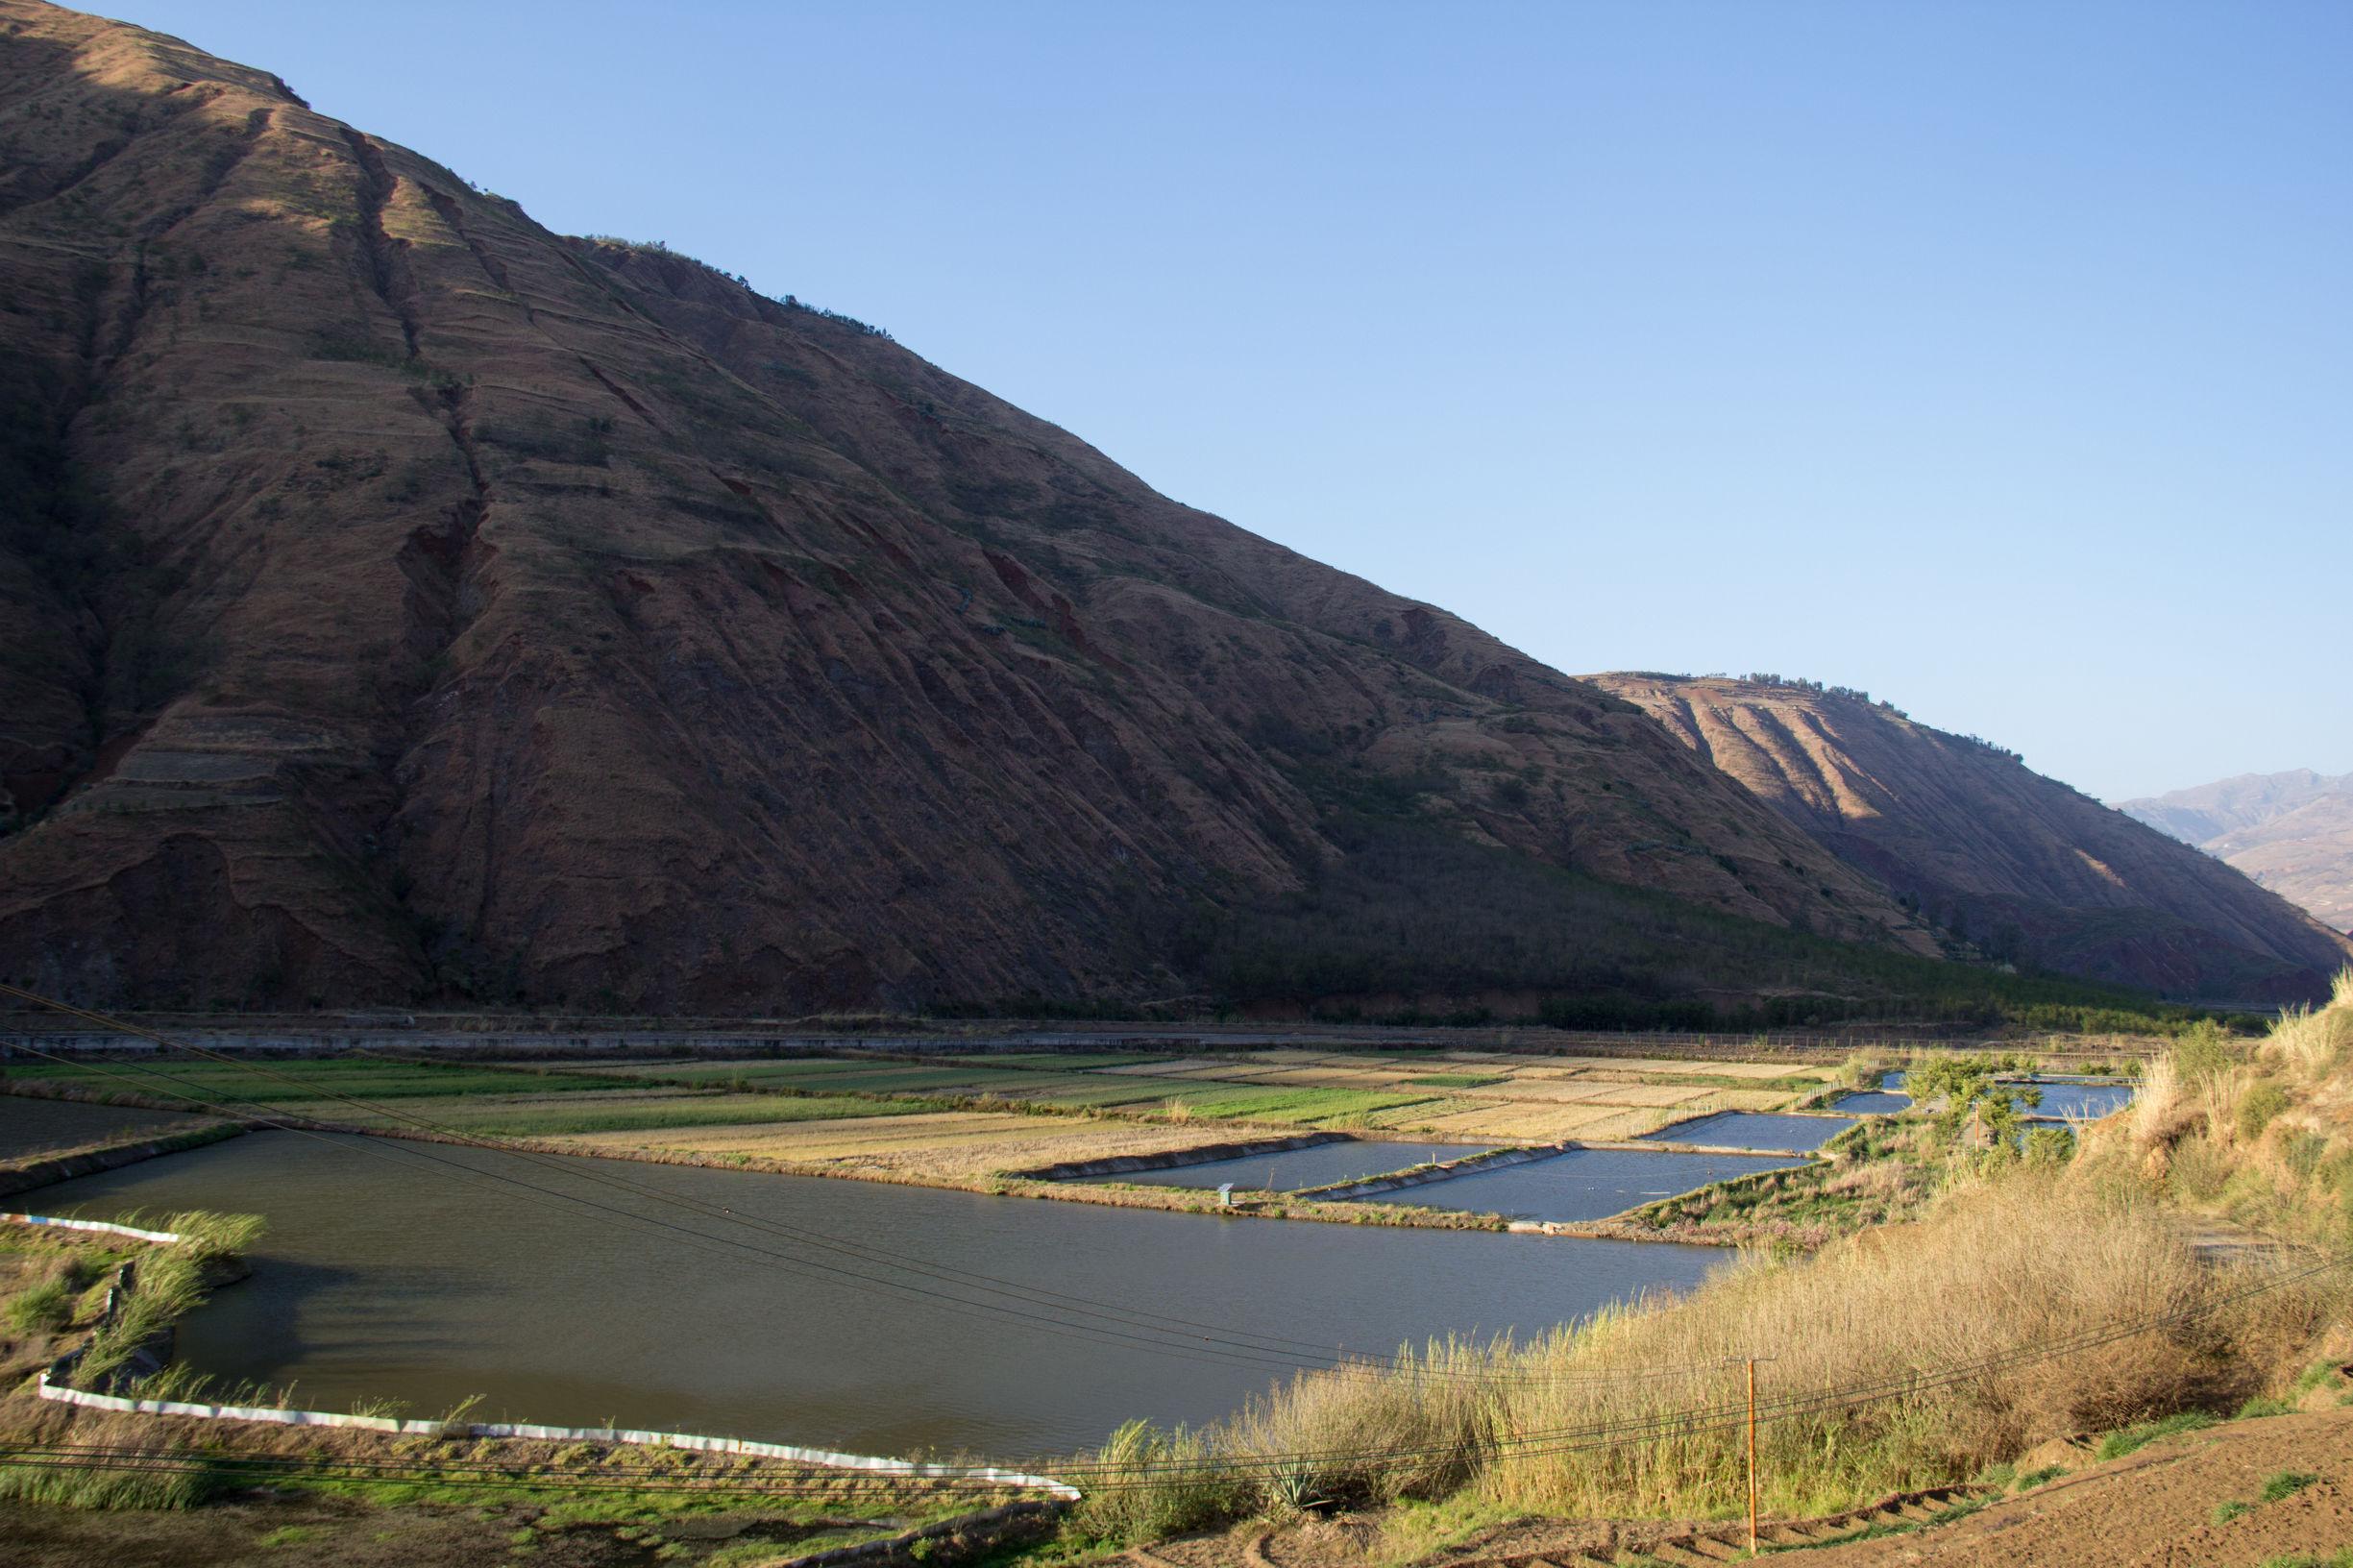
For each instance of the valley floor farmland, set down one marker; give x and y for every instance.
(384, 1281)
(1015, 1121)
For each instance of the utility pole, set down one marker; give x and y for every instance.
(1751, 1455)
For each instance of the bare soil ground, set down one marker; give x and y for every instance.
(2156, 1509)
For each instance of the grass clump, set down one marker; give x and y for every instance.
(166, 1283)
(2287, 1484)
(186, 1486)
(47, 1305)
(2133, 1439)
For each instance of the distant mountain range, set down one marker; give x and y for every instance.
(2020, 866)
(399, 601)
(2293, 832)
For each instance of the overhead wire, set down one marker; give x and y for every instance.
(1275, 1350)
(1564, 1440)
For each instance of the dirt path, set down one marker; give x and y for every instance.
(2155, 1509)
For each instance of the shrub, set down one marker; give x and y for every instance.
(2258, 1107)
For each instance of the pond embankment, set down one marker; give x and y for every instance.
(49, 1137)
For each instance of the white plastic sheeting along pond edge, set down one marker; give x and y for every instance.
(161, 1238)
(827, 1458)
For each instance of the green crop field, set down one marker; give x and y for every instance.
(1056, 1060)
(551, 1119)
(276, 1083)
(1242, 1103)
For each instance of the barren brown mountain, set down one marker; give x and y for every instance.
(2024, 866)
(2293, 832)
(401, 600)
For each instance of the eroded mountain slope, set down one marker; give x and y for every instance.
(2022, 865)
(2293, 832)
(402, 599)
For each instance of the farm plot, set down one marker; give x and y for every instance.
(277, 1083)
(936, 1145)
(555, 1115)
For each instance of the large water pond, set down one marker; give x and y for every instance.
(1291, 1169)
(30, 1128)
(1581, 1184)
(1755, 1130)
(1872, 1102)
(383, 1278)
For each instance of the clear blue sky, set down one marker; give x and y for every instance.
(1997, 357)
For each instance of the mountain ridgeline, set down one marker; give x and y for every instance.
(2021, 866)
(400, 602)
(2293, 832)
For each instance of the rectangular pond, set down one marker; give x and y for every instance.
(2064, 1096)
(1754, 1130)
(1290, 1169)
(1579, 1183)
(31, 1128)
(2083, 1100)
(1872, 1102)
(389, 1275)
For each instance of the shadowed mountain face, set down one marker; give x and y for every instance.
(2293, 832)
(398, 599)
(2025, 867)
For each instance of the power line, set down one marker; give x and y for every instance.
(1234, 1345)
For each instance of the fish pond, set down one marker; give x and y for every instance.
(1754, 1130)
(1289, 1170)
(859, 1315)
(1580, 1183)
(2062, 1097)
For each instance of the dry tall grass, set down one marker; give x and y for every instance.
(2002, 1264)
(2261, 1134)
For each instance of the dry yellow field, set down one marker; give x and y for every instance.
(1530, 1099)
(942, 1145)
